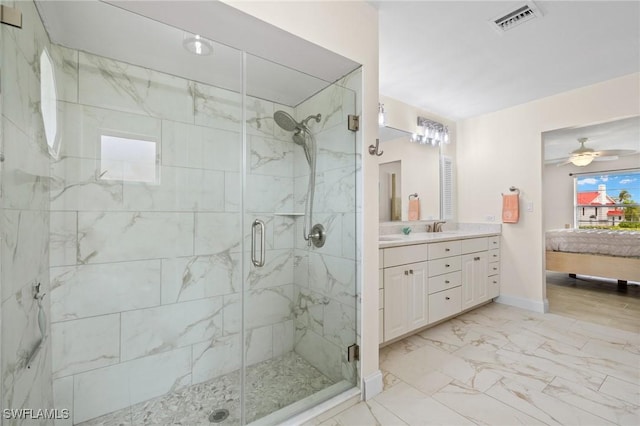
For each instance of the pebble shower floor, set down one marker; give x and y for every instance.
(271, 385)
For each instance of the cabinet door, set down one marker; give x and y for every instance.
(418, 296)
(481, 280)
(395, 302)
(474, 279)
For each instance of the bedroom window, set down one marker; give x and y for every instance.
(608, 200)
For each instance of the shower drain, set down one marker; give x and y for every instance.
(218, 415)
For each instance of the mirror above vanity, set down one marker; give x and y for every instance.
(414, 167)
(417, 171)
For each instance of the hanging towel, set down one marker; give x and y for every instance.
(510, 208)
(414, 209)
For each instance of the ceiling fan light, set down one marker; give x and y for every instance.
(581, 160)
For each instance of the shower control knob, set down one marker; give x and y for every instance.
(318, 235)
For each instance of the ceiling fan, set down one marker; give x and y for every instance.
(583, 156)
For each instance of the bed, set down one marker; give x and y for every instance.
(597, 252)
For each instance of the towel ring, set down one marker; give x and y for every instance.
(513, 189)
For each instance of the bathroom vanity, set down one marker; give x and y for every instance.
(426, 278)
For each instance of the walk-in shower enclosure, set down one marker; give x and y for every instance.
(148, 190)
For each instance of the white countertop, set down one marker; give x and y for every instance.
(397, 240)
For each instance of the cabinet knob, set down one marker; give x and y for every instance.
(406, 272)
(495, 282)
(446, 281)
(446, 266)
(476, 258)
(447, 298)
(447, 249)
(411, 271)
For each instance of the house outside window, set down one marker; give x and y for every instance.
(609, 201)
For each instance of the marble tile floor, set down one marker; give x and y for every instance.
(500, 365)
(270, 385)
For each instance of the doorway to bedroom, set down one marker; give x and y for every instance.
(591, 197)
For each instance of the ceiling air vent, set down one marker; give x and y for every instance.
(515, 17)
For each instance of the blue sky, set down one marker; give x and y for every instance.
(614, 182)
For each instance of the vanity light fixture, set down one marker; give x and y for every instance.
(197, 44)
(381, 115)
(431, 133)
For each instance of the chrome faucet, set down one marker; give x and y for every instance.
(437, 226)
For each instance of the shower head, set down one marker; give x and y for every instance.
(298, 138)
(301, 132)
(285, 121)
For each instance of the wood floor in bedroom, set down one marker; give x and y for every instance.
(594, 300)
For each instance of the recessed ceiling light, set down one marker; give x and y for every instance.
(197, 44)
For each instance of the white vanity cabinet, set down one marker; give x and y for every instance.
(474, 279)
(424, 283)
(474, 271)
(493, 285)
(445, 279)
(380, 296)
(405, 291)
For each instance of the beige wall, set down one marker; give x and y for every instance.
(557, 191)
(504, 148)
(349, 29)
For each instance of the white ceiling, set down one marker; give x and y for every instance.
(619, 134)
(443, 56)
(280, 67)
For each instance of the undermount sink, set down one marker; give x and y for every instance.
(390, 238)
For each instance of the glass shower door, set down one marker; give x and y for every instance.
(146, 224)
(300, 258)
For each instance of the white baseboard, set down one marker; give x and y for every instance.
(528, 304)
(372, 385)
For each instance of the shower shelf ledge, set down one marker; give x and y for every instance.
(288, 214)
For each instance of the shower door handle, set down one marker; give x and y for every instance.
(254, 228)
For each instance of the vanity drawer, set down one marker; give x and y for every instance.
(493, 286)
(444, 265)
(445, 282)
(406, 254)
(494, 255)
(494, 242)
(444, 249)
(494, 268)
(444, 304)
(473, 245)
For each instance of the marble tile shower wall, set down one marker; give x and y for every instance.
(326, 296)
(24, 217)
(146, 279)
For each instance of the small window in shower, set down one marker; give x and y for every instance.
(128, 160)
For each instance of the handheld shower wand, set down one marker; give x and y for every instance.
(313, 234)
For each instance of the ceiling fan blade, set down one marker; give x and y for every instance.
(607, 158)
(615, 152)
